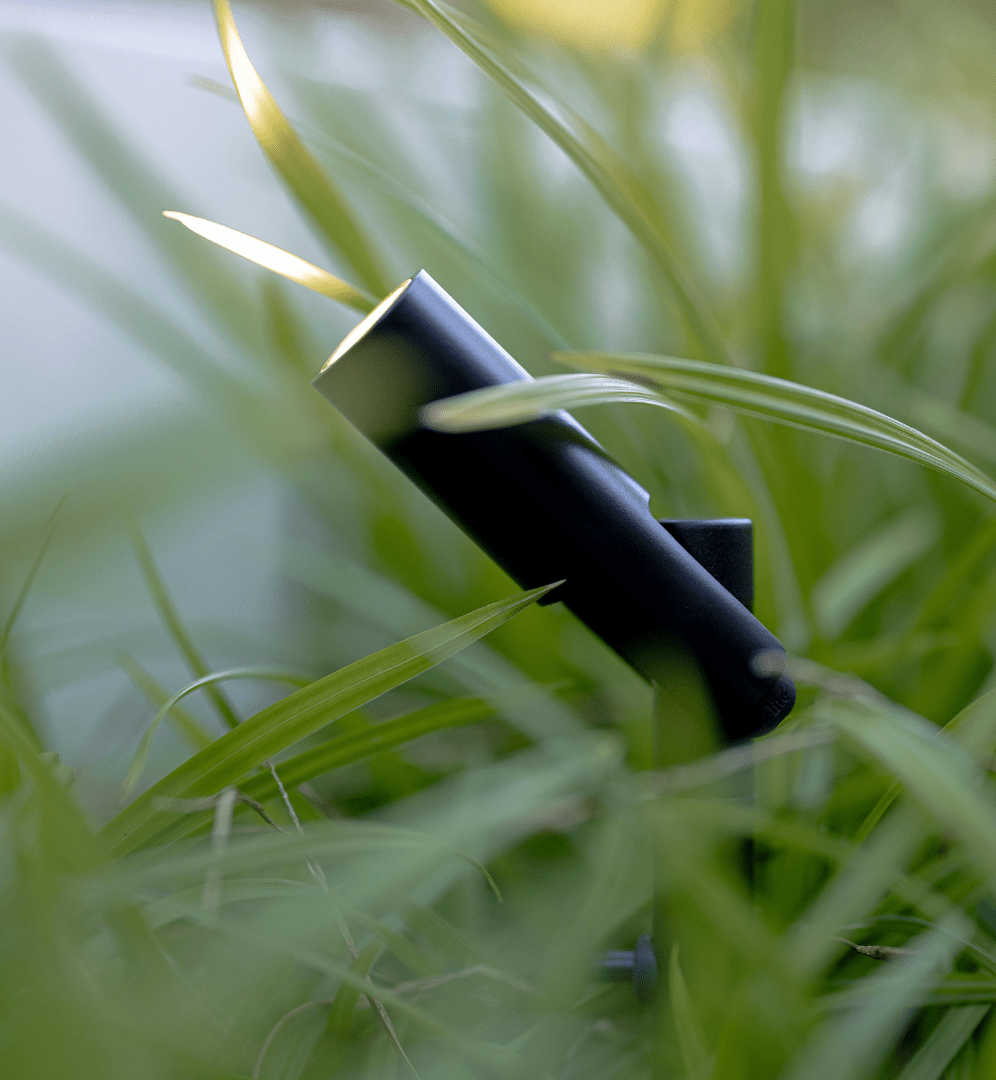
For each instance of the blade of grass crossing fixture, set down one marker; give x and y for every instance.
(746, 392)
(290, 158)
(516, 403)
(784, 402)
(279, 726)
(606, 171)
(276, 259)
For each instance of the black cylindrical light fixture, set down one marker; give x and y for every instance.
(545, 501)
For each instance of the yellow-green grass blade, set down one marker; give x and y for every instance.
(276, 259)
(286, 722)
(605, 170)
(288, 155)
(141, 756)
(746, 392)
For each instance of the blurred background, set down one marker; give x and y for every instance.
(829, 189)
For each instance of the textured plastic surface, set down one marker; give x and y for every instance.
(545, 502)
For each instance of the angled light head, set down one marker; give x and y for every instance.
(545, 502)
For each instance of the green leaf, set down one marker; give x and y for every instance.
(608, 173)
(288, 155)
(286, 722)
(145, 744)
(691, 1040)
(954, 1029)
(275, 259)
(746, 392)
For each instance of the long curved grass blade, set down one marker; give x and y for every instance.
(746, 392)
(174, 625)
(286, 722)
(606, 171)
(187, 723)
(275, 259)
(141, 757)
(512, 403)
(790, 403)
(288, 155)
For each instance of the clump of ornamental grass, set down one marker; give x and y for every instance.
(408, 863)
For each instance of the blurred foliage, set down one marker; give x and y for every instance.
(408, 864)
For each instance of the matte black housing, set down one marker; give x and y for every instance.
(545, 501)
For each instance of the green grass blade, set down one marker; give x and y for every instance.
(288, 155)
(606, 171)
(275, 259)
(483, 671)
(279, 726)
(141, 757)
(65, 838)
(347, 749)
(940, 775)
(137, 186)
(851, 1045)
(186, 722)
(171, 620)
(32, 573)
(955, 1028)
(691, 1040)
(862, 573)
(746, 392)
(774, 57)
(519, 402)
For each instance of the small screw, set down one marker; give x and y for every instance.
(639, 964)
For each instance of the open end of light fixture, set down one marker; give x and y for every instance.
(363, 327)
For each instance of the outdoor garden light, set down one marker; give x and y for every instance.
(545, 501)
